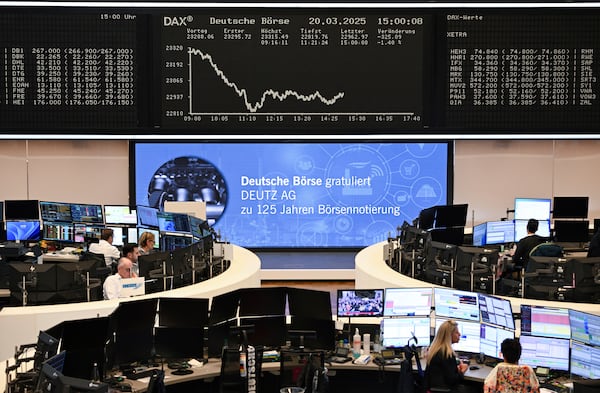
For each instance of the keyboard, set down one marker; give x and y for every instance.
(141, 374)
(554, 386)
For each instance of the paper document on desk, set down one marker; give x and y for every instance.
(134, 286)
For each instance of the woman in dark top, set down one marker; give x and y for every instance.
(443, 370)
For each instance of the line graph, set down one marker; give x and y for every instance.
(262, 70)
(242, 93)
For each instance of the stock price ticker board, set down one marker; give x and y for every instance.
(68, 70)
(293, 69)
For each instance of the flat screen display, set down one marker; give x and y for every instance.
(570, 207)
(571, 231)
(585, 327)
(23, 230)
(491, 338)
(146, 216)
(360, 302)
(55, 211)
(59, 231)
(453, 303)
(494, 232)
(538, 208)
(585, 360)
(469, 335)
(26, 209)
(545, 352)
(407, 302)
(87, 213)
(310, 195)
(396, 332)
(119, 214)
(173, 222)
(545, 321)
(496, 311)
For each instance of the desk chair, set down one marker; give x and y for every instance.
(512, 379)
(303, 369)
(231, 379)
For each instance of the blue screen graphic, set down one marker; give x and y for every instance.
(296, 195)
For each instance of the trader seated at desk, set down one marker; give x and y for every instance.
(524, 247)
(509, 376)
(113, 284)
(105, 247)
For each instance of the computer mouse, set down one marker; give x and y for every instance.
(474, 368)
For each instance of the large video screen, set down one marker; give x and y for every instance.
(297, 195)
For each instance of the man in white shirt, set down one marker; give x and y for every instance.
(112, 285)
(105, 247)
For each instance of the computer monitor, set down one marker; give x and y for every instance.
(449, 216)
(132, 236)
(309, 303)
(426, 218)
(173, 222)
(572, 231)
(224, 307)
(45, 349)
(179, 343)
(494, 232)
(496, 311)
(360, 302)
(454, 235)
(521, 229)
(268, 331)
(55, 211)
(147, 216)
(440, 252)
(468, 257)
(29, 230)
(262, 301)
(407, 302)
(21, 209)
(570, 207)
(199, 227)
(585, 360)
(119, 236)
(398, 332)
(182, 312)
(324, 329)
(538, 208)
(469, 335)
(172, 241)
(545, 321)
(585, 327)
(456, 304)
(120, 215)
(491, 338)
(87, 213)
(59, 231)
(87, 232)
(85, 343)
(545, 352)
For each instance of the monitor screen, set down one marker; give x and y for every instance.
(199, 227)
(521, 229)
(496, 311)
(360, 302)
(120, 214)
(132, 236)
(21, 209)
(570, 207)
(453, 303)
(119, 238)
(491, 338)
(172, 241)
(173, 222)
(84, 232)
(304, 194)
(87, 213)
(427, 218)
(58, 231)
(585, 360)
(262, 301)
(451, 216)
(469, 335)
(585, 327)
(545, 321)
(266, 331)
(572, 231)
(538, 208)
(146, 216)
(498, 232)
(545, 352)
(55, 211)
(407, 302)
(181, 342)
(396, 332)
(309, 303)
(479, 232)
(23, 230)
(182, 312)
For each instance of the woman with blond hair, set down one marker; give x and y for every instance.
(443, 371)
(147, 241)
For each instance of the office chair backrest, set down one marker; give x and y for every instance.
(304, 369)
(512, 379)
(547, 250)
